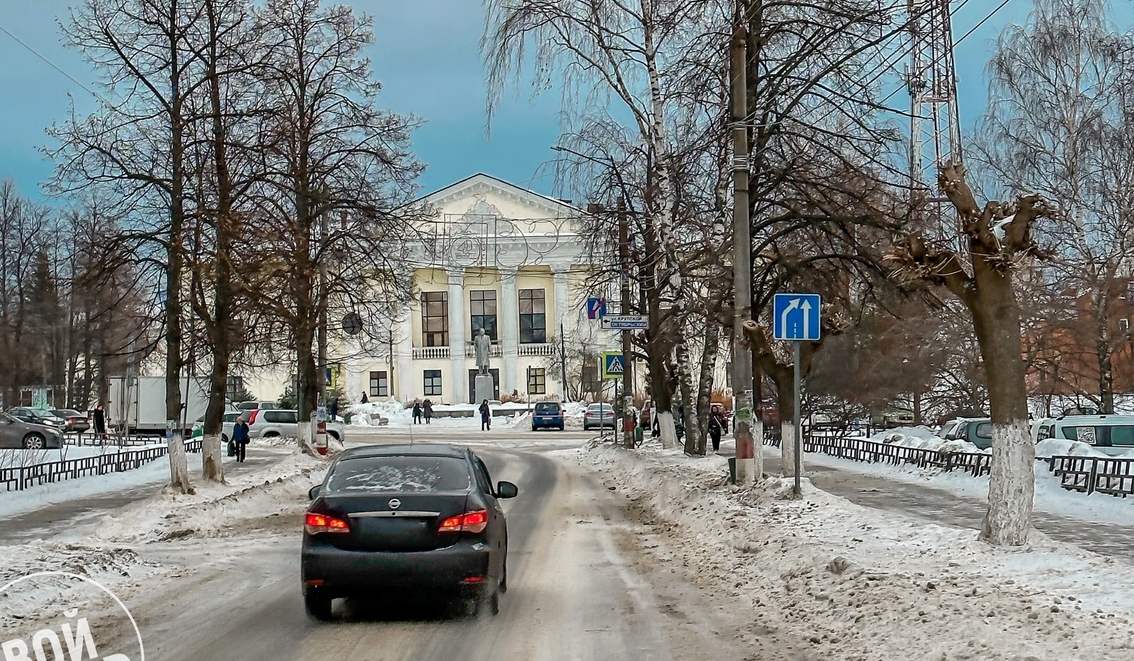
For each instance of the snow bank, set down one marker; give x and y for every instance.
(860, 583)
(1052, 447)
(923, 438)
(275, 489)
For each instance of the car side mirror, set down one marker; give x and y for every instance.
(313, 492)
(506, 490)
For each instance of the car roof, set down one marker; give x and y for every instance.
(415, 450)
(1114, 419)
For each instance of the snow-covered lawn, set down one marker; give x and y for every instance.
(859, 583)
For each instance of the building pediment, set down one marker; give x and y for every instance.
(481, 197)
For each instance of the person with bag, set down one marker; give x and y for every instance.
(485, 416)
(715, 430)
(240, 438)
(427, 409)
(416, 413)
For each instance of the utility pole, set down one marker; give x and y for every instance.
(624, 295)
(563, 360)
(321, 338)
(741, 255)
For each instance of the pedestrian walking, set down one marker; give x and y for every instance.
(364, 399)
(240, 438)
(427, 409)
(334, 409)
(715, 430)
(416, 412)
(100, 424)
(485, 416)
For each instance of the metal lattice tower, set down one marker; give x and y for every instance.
(935, 134)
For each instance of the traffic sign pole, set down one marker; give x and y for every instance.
(627, 374)
(798, 431)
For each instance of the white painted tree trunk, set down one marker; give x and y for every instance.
(178, 466)
(1011, 486)
(668, 429)
(757, 448)
(787, 449)
(212, 468)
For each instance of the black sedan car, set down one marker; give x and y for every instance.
(424, 518)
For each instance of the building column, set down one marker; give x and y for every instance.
(562, 316)
(508, 318)
(403, 377)
(457, 389)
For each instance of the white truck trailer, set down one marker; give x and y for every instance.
(139, 403)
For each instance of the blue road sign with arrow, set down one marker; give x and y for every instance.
(795, 317)
(596, 308)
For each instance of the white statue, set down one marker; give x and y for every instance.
(483, 346)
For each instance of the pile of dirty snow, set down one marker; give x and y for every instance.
(922, 438)
(1054, 447)
(855, 582)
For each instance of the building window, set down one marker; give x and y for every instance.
(432, 383)
(234, 390)
(435, 318)
(379, 385)
(537, 381)
(533, 320)
(482, 306)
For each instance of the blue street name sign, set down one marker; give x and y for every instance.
(795, 317)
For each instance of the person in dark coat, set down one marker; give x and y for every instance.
(100, 423)
(364, 398)
(240, 438)
(715, 430)
(334, 409)
(427, 409)
(485, 416)
(417, 413)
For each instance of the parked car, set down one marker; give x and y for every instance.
(16, 433)
(37, 417)
(399, 519)
(547, 415)
(256, 405)
(598, 415)
(73, 420)
(977, 431)
(1110, 434)
(272, 423)
(227, 421)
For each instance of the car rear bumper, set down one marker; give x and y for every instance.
(344, 573)
(547, 422)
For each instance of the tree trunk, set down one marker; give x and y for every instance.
(694, 439)
(917, 407)
(785, 386)
(178, 465)
(1011, 486)
(705, 380)
(1105, 359)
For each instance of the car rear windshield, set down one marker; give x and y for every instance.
(400, 473)
(547, 407)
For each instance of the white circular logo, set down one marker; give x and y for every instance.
(71, 635)
(395, 503)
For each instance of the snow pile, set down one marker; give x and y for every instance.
(1053, 447)
(922, 438)
(853, 582)
(371, 414)
(266, 495)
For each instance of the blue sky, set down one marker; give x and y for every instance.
(426, 53)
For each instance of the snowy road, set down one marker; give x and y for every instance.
(579, 588)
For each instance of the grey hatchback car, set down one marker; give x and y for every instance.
(15, 433)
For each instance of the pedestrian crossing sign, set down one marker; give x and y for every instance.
(613, 365)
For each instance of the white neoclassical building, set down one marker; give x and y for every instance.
(496, 257)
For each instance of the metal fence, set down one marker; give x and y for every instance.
(1109, 475)
(17, 478)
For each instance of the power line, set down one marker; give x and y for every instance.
(51, 64)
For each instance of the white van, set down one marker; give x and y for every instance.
(1110, 434)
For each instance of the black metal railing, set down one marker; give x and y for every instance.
(17, 478)
(1109, 475)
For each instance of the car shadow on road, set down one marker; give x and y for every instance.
(399, 608)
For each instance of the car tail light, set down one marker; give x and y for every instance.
(252, 415)
(475, 521)
(320, 523)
